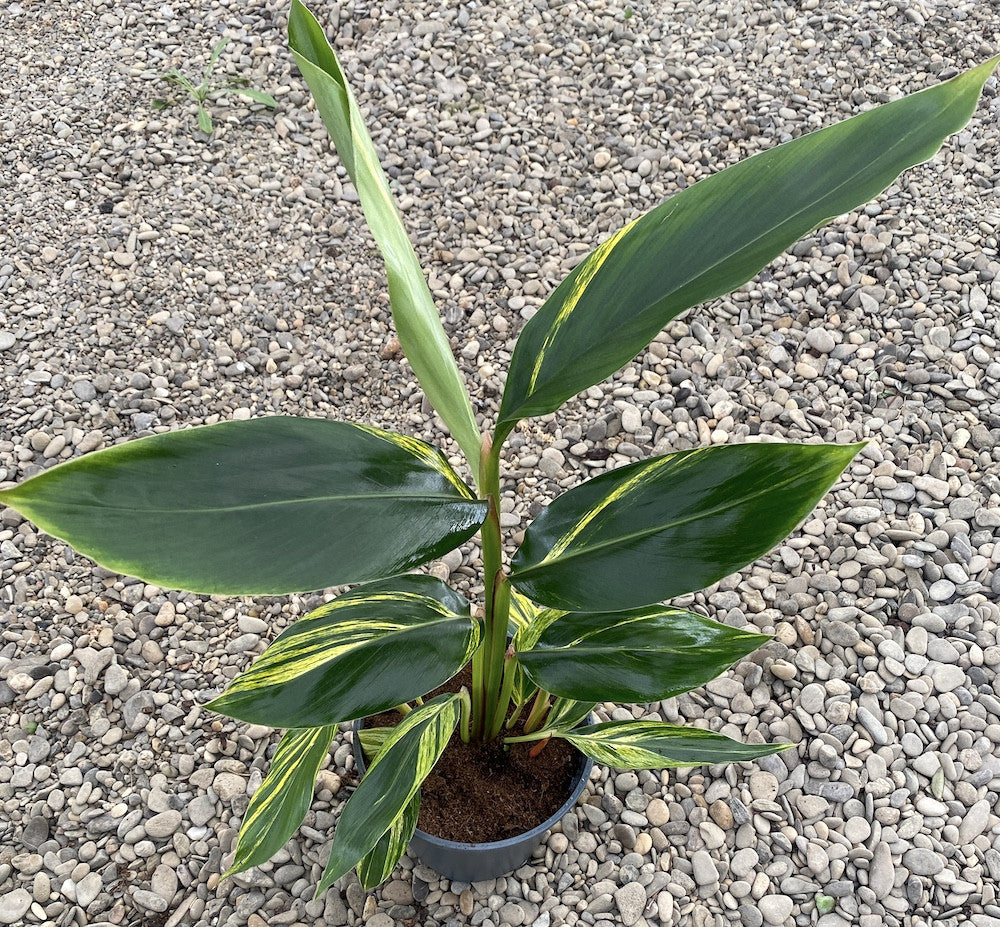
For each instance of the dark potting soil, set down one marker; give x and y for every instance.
(480, 793)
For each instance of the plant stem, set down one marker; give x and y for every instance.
(487, 682)
(509, 675)
(404, 709)
(526, 738)
(466, 713)
(538, 712)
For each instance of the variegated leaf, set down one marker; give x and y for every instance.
(265, 506)
(640, 655)
(390, 783)
(567, 713)
(670, 525)
(376, 647)
(281, 801)
(656, 745)
(417, 321)
(377, 866)
(527, 622)
(714, 236)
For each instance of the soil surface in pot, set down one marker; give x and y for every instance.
(480, 793)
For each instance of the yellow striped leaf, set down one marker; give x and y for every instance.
(656, 745)
(280, 803)
(376, 647)
(640, 655)
(714, 236)
(259, 507)
(670, 525)
(390, 783)
(377, 866)
(417, 321)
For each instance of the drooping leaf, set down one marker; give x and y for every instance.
(258, 507)
(714, 236)
(390, 783)
(417, 321)
(670, 525)
(376, 647)
(641, 655)
(281, 801)
(656, 745)
(377, 866)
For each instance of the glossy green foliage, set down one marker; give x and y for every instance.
(279, 505)
(656, 745)
(390, 784)
(417, 321)
(281, 801)
(378, 864)
(641, 655)
(714, 236)
(376, 647)
(264, 506)
(670, 525)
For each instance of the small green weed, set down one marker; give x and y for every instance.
(208, 89)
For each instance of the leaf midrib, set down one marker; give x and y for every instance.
(569, 554)
(681, 285)
(340, 497)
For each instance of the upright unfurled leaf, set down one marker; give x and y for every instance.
(714, 236)
(670, 525)
(376, 647)
(641, 655)
(388, 787)
(281, 801)
(656, 745)
(378, 864)
(417, 321)
(258, 507)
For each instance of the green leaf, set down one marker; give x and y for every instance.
(258, 96)
(641, 655)
(258, 507)
(714, 236)
(667, 526)
(567, 713)
(655, 745)
(372, 740)
(204, 119)
(377, 866)
(220, 47)
(418, 324)
(526, 622)
(376, 647)
(280, 803)
(392, 780)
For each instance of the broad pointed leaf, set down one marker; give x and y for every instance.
(281, 801)
(418, 324)
(641, 655)
(656, 745)
(392, 780)
(714, 236)
(376, 647)
(672, 524)
(258, 507)
(377, 866)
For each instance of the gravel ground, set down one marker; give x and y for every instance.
(151, 279)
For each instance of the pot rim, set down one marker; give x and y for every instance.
(581, 778)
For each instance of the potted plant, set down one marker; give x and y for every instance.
(286, 504)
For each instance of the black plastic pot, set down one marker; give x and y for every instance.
(474, 862)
